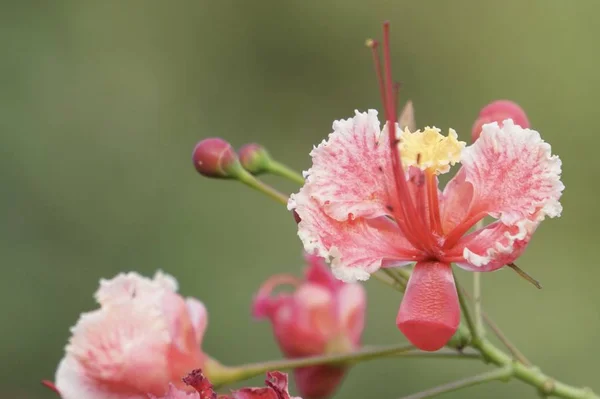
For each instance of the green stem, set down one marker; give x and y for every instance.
(517, 354)
(387, 280)
(264, 188)
(493, 375)
(465, 310)
(533, 376)
(477, 312)
(228, 375)
(546, 385)
(397, 277)
(282, 170)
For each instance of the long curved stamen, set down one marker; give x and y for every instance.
(460, 230)
(409, 210)
(398, 209)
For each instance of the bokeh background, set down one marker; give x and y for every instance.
(101, 103)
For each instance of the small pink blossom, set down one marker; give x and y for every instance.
(322, 315)
(371, 200)
(143, 337)
(277, 388)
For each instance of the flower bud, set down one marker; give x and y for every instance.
(498, 111)
(254, 158)
(215, 157)
(322, 315)
(143, 337)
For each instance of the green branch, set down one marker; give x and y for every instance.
(498, 374)
(221, 375)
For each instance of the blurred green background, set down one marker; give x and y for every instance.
(102, 103)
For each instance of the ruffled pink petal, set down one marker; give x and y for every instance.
(127, 286)
(355, 248)
(513, 173)
(429, 313)
(516, 180)
(73, 383)
(351, 171)
(494, 246)
(118, 349)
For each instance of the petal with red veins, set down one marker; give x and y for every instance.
(455, 201)
(115, 350)
(494, 246)
(351, 170)
(355, 248)
(513, 173)
(514, 179)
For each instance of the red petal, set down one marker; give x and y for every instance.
(429, 313)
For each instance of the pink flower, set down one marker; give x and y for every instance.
(371, 200)
(143, 337)
(277, 388)
(323, 315)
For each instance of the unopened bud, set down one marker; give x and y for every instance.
(215, 157)
(498, 111)
(254, 158)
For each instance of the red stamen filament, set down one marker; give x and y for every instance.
(399, 208)
(456, 234)
(421, 201)
(402, 192)
(435, 219)
(373, 45)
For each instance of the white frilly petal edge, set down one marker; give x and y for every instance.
(499, 250)
(349, 274)
(72, 383)
(313, 245)
(550, 206)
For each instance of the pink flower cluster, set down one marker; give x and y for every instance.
(143, 337)
(371, 200)
(321, 316)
